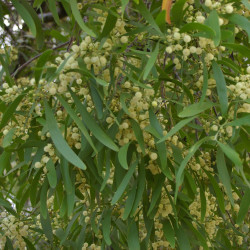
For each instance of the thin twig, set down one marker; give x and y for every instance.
(34, 58)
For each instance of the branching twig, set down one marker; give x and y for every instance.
(34, 58)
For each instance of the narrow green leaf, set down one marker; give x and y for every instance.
(151, 62)
(5, 161)
(79, 19)
(92, 125)
(200, 27)
(176, 128)
(43, 200)
(223, 174)
(23, 12)
(244, 207)
(246, 3)
(182, 239)
(124, 183)
(133, 237)
(242, 49)
(221, 87)
(46, 226)
(180, 170)
(58, 140)
(141, 7)
(213, 22)
(98, 102)
(124, 4)
(11, 109)
(205, 81)
(242, 21)
(195, 109)
(40, 63)
(138, 134)
(140, 189)
(122, 156)
(156, 194)
(129, 202)
(64, 166)
(230, 153)
(218, 192)
(8, 138)
(51, 174)
(123, 98)
(106, 224)
(169, 233)
(240, 121)
(78, 122)
(109, 25)
(177, 12)
(53, 9)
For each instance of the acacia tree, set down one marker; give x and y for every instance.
(124, 124)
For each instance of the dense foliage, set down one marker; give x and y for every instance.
(124, 124)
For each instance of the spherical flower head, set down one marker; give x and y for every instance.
(200, 19)
(38, 164)
(127, 84)
(177, 36)
(187, 38)
(153, 156)
(154, 104)
(169, 50)
(186, 52)
(208, 3)
(75, 48)
(214, 128)
(52, 90)
(124, 39)
(5, 85)
(192, 49)
(248, 69)
(229, 9)
(5, 132)
(138, 95)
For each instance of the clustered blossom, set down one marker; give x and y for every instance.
(123, 95)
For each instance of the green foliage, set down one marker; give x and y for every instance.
(119, 130)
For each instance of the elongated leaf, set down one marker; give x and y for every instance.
(106, 223)
(138, 134)
(221, 87)
(79, 19)
(53, 9)
(46, 226)
(92, 125)
(78, 122)
(140, 189)
(177, 12)
(213, 22)
(25, 16)
(240, 121)
(147, 15)
(40, 63)
(243, 50)
(52, 177)
(182, 239)
(129, 202)
(119, 192)
(205, 81)
(176, 128)
(11, 109)
(124, 4)
(246, 3)
(242, 21)
(223, 174)
(156, 194)
(151, 62)
(244, 207)
(200, 27)
(59, 142)
(179, 175)
(43, 200)
(133, 237)
(122, 156)
(8, 138)
(169, 233)
(230, 153)
(109, 25)
(195, 109)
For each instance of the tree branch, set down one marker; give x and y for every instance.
(34, 58)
